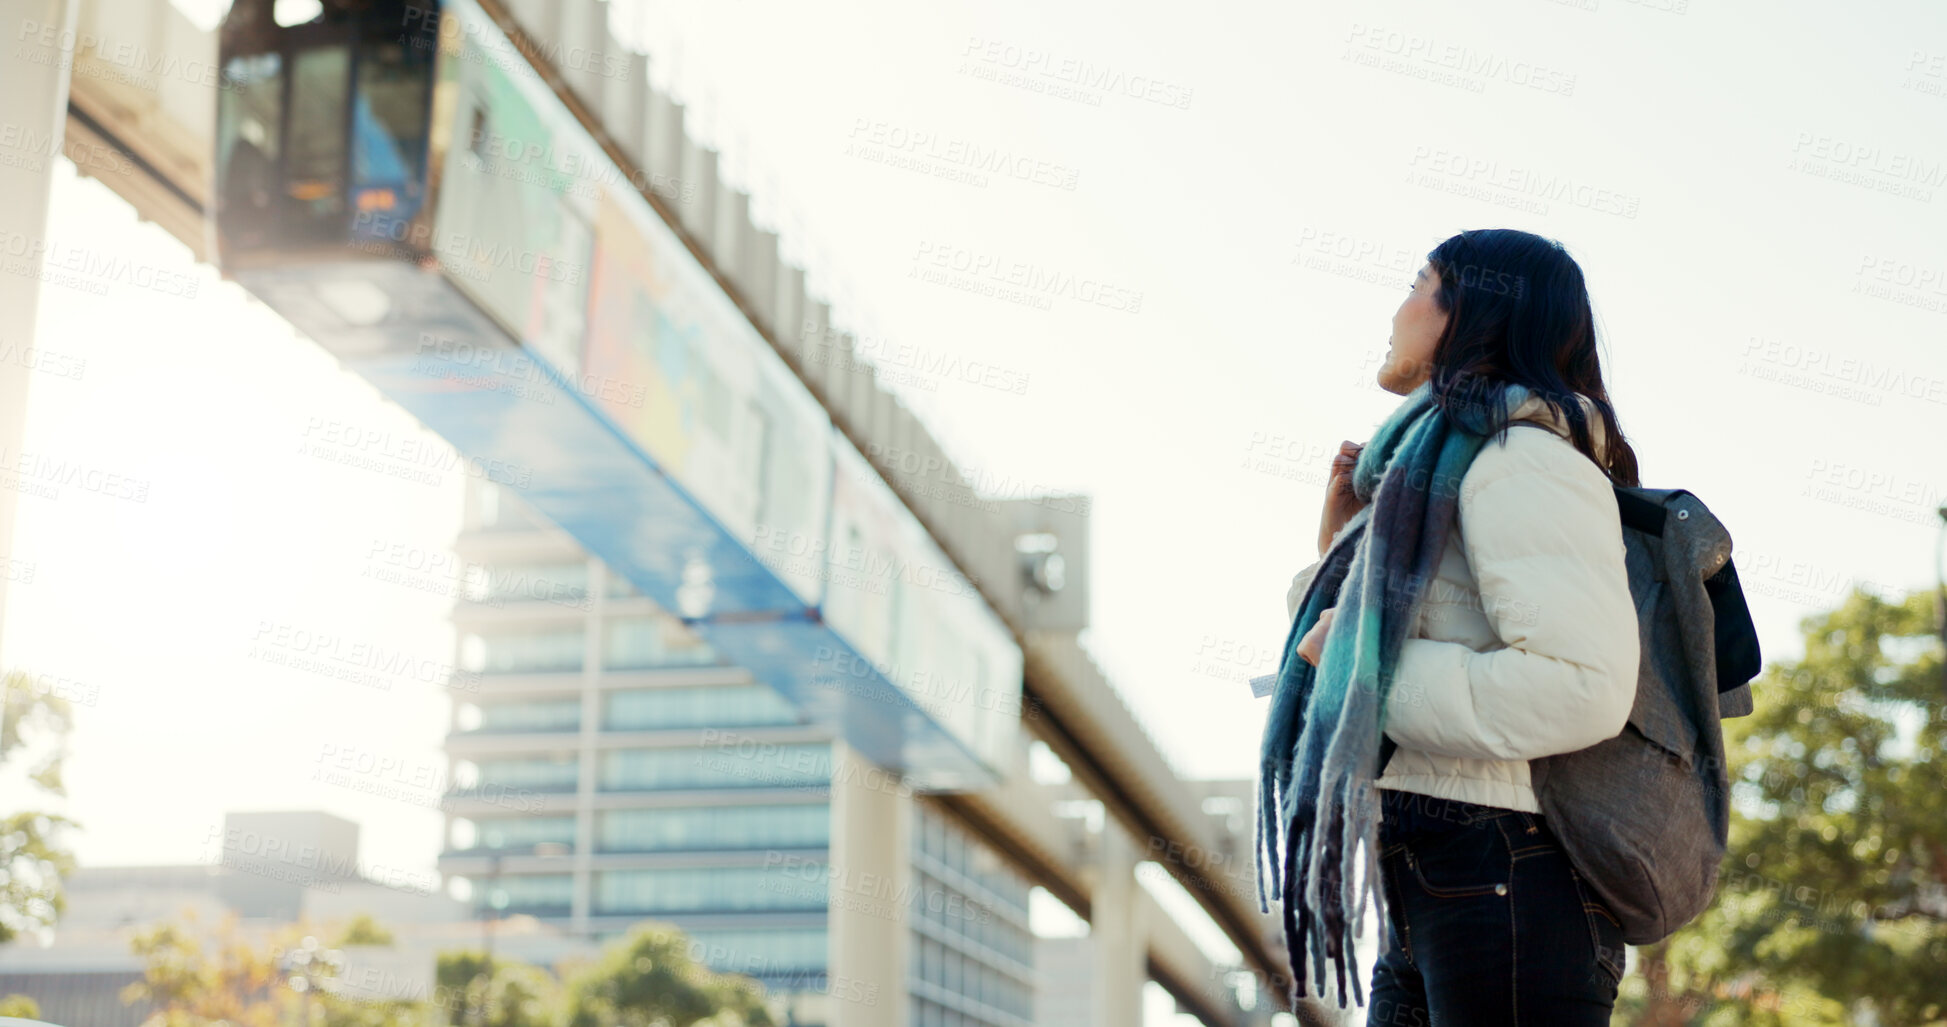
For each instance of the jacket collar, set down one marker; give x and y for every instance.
(1533, 409)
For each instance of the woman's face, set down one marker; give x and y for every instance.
(1416, 329)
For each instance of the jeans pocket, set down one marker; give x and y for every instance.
(1462, 863)
(1605, 931)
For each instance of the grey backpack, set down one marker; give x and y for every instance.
(1643, 816)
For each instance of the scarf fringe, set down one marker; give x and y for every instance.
(1316, 836)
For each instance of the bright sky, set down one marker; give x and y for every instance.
(1773, 316)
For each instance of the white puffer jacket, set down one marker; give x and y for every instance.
(1547, 662)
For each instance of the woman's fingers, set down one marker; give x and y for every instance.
(1343, 464)
(1346, 458)
(1311, 648)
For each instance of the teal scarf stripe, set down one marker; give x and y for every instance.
(1320, 753)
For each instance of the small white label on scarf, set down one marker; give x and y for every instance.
(1264, 685)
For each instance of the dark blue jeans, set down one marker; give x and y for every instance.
(1490, 925)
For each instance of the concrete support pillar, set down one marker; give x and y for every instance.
(1119, 940)
(588, 751)
(34, 104)
(870, 893)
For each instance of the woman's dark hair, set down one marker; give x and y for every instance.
(1518, 311)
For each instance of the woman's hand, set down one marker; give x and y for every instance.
(1340, 501)
(1311, 648)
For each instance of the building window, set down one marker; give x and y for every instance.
(645, 643)
(535, 652)
(537, 773)
(516, 833)
(531, 715)
(715, 827)
(651, 709)
(796, 886)
(725, 766)
(971, 932)
(562, 583)
(537, 894)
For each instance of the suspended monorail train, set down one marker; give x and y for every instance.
(396, 179)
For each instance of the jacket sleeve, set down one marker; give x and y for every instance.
(1303, 580)
(1539, 528)
(1299, 583)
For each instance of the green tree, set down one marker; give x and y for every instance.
(471, 989)
(187, 986)
(1832, 903)
(363, 930)
(22, 1006)
(196, 978)
(344, 1011)
(649, 980)
(34, 726)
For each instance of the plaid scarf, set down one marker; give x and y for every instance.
(1322, 740)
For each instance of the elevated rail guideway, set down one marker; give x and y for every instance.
(485, 209)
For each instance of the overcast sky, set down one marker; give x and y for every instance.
(1759, 203)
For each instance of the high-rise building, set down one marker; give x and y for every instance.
(610, 768)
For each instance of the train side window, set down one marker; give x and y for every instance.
(391, 104)
(250, 120)
(315, 161)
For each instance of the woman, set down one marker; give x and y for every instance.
(1522, 643)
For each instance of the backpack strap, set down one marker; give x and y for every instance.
(1639, 513)
(1738, 658)
(1735, 637)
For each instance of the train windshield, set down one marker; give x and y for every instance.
(319, 122)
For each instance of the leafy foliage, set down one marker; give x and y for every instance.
(649, 980)
(363, 930)
(190, 986)
(473, 989)
(34, 725)
(199, 978)
(1832, 902)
